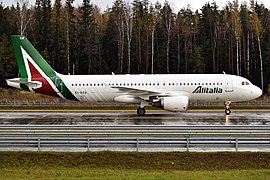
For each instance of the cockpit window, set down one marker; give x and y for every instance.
(245, 83)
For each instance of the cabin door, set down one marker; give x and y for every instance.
(228, 84)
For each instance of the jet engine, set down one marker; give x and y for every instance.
(174, 104)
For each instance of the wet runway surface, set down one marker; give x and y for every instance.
(130, 118)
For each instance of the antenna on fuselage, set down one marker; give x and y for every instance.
(224, 72)
(113, 73)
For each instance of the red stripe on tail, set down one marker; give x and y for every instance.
(36, 76)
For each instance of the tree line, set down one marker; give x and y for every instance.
(141, 37)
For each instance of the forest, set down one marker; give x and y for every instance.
(141, 38)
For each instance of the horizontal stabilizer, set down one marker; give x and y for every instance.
(16, 82)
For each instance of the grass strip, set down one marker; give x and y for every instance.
(129, 174)
(133, 160)
(123, 165)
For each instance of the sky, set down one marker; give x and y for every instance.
(175, 4)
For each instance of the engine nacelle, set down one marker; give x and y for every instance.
(174, 104)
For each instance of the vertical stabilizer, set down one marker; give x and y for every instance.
(30, 62)
(36, 75)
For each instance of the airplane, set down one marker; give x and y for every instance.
(172, 92)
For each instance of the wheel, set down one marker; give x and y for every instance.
(140, 111)
(227, 111)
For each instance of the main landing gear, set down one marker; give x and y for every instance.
(141, 111)
(227, 108)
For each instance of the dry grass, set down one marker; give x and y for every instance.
(145, 161)
(121, 165)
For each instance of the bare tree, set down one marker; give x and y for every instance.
(24, 15)
(118, 9)
(68, 12)
(167, 20)
(154, 19)
(237, 32)
(258, 30)
(128, 14)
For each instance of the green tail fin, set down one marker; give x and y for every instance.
(23, 50)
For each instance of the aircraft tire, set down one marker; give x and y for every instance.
(141, 111)
(227, 111)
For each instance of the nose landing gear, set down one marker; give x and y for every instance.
(227, 108)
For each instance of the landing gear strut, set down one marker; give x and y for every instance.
(141, 111)
(227, 108)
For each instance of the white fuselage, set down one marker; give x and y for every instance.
(197, 87)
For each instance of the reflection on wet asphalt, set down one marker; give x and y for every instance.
(130, 118)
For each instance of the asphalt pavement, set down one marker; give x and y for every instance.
(130, 118)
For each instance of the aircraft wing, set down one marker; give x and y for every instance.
(135, 91)
(145, 94)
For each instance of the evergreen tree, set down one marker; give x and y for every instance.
(86, 34)
(58, 45)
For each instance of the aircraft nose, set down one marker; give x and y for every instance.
(256, 92)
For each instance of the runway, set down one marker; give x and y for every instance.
(130, 118)
(198, 131)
